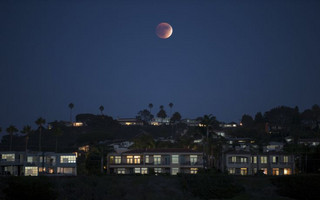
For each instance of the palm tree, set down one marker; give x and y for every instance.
(161, 107)
(11, 130)
(40, 122)
(57, 132)
(26, 130)
(150, 106)
(101, 108)
(170, 105)
(71, 106)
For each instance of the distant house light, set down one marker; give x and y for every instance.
(77, 124)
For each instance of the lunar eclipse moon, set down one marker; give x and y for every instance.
(164, 30)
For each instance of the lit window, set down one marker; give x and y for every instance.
(175, 159)
(286, 159)
(264, 170)
(275, 171)
(147, 159)
(137, 170)
(42, 169)
(111, 159)
(274, 159)
(243, 171)
(65, 170)
(243, 159)
(8, 157)
(193, 159)
(234, 159)
(136, 159)
(67, 159)
(30, 159)
(117, 160)
(193, 170)
(254, 159)
(144, 170)
(31, 171)
(174, 171)
(157, 170)
(263, 159)
(231, 170)
(121, 171)
(129, 159)
(157, 159)
(287, 171)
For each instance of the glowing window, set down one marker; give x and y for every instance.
(264, 170)
(287, 171)
(147, 159)
(174, 171)
(31, 171)
(231, 170)
(129, 159)
(254, 159)
(175, 159)
(243, 159)
(121, 171)
(234, 159)
(193, 170)
(117, 160)
(157, 170)
(136, 159)
(193, 159)
(263, 159)
(8, 157)
(137, 170)
(286, 159)
(68, 159)
(144, 170)
(157, 159)
(243, 171)
(274, 159)
(275, 171)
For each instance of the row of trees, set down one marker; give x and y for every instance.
(27, 130)
(146, 115)
(71, 106)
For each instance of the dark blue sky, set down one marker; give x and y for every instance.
(225, 57)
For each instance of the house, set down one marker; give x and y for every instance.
(130, 122)
(249, 163)
(38, 163)
(191, 122)
(157, 121)
(155, 161)
(309, 142)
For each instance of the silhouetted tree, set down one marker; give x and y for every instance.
(71, 106)
(162, 113)
(170, 105)
(11, 130)
(150, 106)
(143, 141)
(247, 121)
(101, 108)
(40, 121)
(258, 118)
(176, 117)
(26, 131)
(144, 115)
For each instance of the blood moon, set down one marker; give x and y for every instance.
(164, 30)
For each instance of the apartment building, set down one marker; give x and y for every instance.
(37, 163)
(155, 161)
(248, 163)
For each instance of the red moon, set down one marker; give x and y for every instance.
(164, 30)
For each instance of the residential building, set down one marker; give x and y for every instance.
(37, 163)
(249, 163)
(130, 122)
(155, 161)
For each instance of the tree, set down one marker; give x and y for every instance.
(57, 132)
(247, 121)
(71, 106)
(170, 105)
(11, 130)
(150, 106)
(143, 141)
(144, 115)
(162, 113)
(40, 121)
(26, 131)
(101, 108)
(176, 117)
(258, 118)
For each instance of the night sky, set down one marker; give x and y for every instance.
(225, 58)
